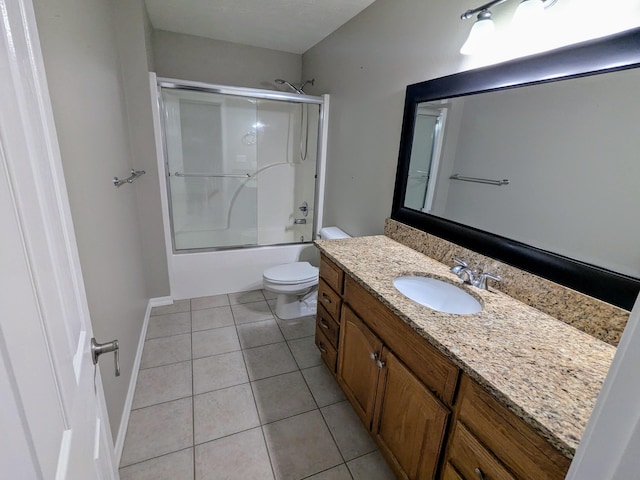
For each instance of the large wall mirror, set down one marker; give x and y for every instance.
(535, 162)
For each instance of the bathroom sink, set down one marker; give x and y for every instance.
(437, 295)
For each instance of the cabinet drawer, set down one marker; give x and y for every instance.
(328, 326)
(327, 352)
(332, 274)
(430, 366)
(516, 444)
(472, 460)
(329, 299)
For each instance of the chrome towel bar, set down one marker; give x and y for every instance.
(487, 181)
(213, 175)
(135, 174)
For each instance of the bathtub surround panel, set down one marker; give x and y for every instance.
(595, 317)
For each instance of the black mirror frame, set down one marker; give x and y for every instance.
(613, 53)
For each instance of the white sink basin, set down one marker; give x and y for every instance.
(437, 295)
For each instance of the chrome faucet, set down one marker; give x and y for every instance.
(472, 276)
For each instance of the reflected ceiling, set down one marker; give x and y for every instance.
(287, 25)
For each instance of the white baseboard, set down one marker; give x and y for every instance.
(124, 422)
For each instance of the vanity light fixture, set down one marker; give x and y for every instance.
(482, 32)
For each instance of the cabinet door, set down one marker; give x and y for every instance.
(409, 421)
(357, 368)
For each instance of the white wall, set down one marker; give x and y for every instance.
(78, 40)
(202, 59)
(366, 64)
(132, 52)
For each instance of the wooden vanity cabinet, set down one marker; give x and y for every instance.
(406, 392)
(491, 438)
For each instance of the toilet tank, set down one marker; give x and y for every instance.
(332, 233)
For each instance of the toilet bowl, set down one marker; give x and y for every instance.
(296, 284)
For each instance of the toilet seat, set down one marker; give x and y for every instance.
(291, 273)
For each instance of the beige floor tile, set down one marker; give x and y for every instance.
(352, 438)
(305, 352)
(213, 342)
(168, 325)
(166, 350)
(224, 412)
(255, 334)
(341, 472)
(297, 327)
(282, 396)
(269, 360)
(209, 302)
(301, 446)
(211, 318)
(173, 466)
(246, 297)
(323, 385)
(251, 312)
(177, 307)
(240, 456)
(269, 295)
(158, 430)
(220, 371)
(163, 384)
(370, 467)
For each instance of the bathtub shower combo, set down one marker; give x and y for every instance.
(243, 172)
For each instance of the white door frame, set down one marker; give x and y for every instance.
(41, 367)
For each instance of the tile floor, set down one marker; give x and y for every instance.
(228, 391)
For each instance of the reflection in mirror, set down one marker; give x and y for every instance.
(562, 128)
(570, 151)
(425, 156)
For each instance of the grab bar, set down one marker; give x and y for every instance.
(208, 175)
(132, 178)
(456, 176)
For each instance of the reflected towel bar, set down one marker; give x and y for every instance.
(455, 176)
(207, 175)
(132, 178)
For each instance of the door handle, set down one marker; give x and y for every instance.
(98, 349)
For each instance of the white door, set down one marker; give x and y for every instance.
(53, 414)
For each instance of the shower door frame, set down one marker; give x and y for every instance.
(175, 84)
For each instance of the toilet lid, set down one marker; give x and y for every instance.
(291, 273)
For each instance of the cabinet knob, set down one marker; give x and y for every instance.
(380, 364)
(479, 473)
(322, 349)
(326, 299)
(324, 325)
(373, 356)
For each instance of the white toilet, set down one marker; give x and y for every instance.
(297, 283)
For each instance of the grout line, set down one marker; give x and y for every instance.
(326, 470)
(154, 458)
(193, 404)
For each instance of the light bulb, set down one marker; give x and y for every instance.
(481, 35)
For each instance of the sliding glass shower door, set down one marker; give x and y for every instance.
(241, 169)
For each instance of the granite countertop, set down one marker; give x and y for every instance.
(547, 372)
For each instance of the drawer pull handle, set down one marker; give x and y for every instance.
(322, 349)
(326, 299)
(373, 356)
(324, 325)
(380, 364)
(479, 473)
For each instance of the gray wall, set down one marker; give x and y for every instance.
(188, 57)
(365, 66)
(78, 40)
(132, 50)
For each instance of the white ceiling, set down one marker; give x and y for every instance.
(287, 25)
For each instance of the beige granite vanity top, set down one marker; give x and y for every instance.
(545, 371)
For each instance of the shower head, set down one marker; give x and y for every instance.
(299, 89)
